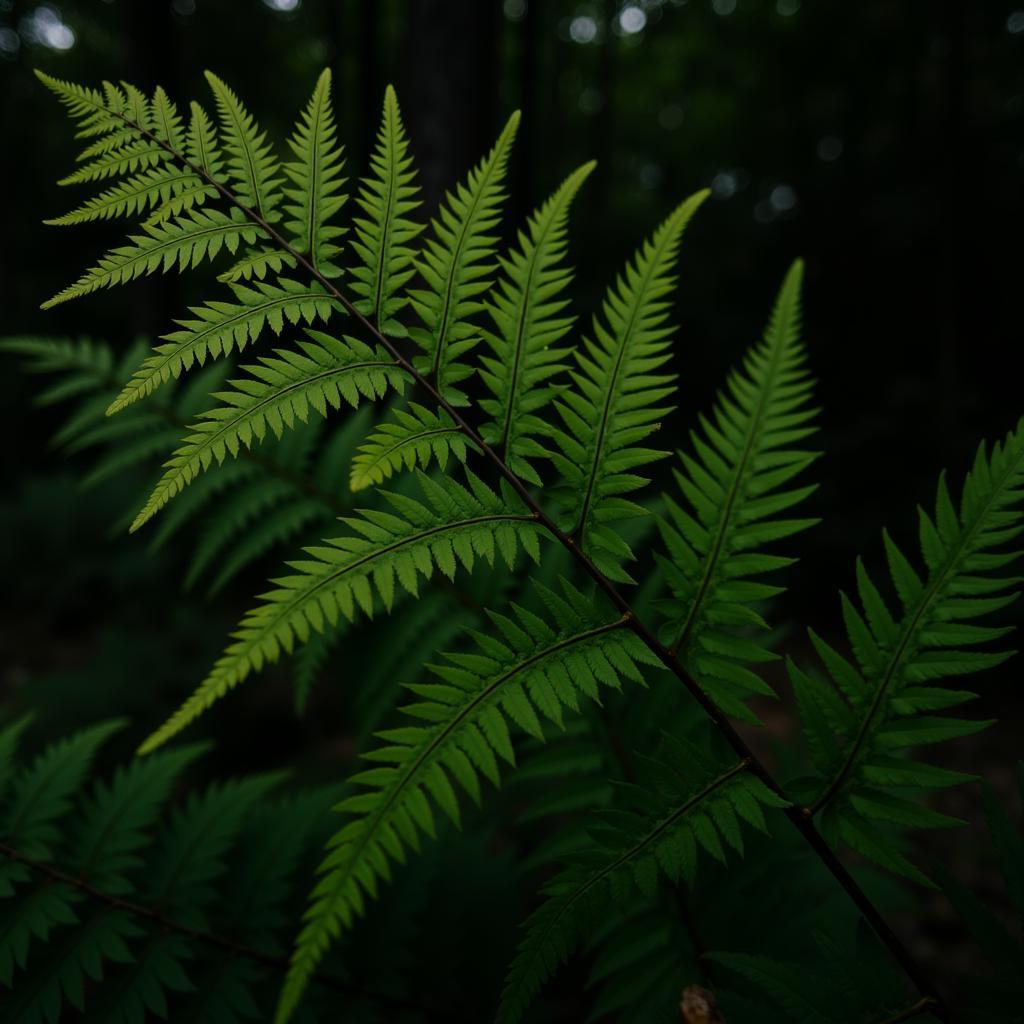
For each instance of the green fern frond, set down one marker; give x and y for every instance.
(527, 312)
(340, 577)
(184, 242)
(280, 390)
(412, 438)
(732, 484)
(882, 702)
(86, 106)
(523, 670)
(690, 802)
(202, 144)
(387, 197)
(251, 163)
(615, 401)
(316, 174)
(456, 264)
(257, 265)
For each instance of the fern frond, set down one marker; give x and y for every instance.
(527, 312)
(251, 162)
(387, 197)
(880, 703)
(184, 242)
(316, 174)
(690, 802)
(280, 390)
(339, 578)
(202, 144)
(412, 438)
(221, 327)
(523, 670)
(455, 264)
(258, 265)
(732, 487)
(614, 403)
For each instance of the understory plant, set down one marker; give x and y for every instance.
(459, 474)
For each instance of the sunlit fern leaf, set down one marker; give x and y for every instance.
(182, 243)
(88, 108)
(385, 550)
(616, 399)
(221, 327)
(412, 437)
(383, 235)
(316, 175)
(251, 163)
(529, 322)
(883, 701)
(523, 669)
(731, 486)
(688, 802)
(280, 390)
(165, 119)
(456, 265)
(258, 265)
(202, 143)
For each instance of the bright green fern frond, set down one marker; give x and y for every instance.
(523, 669)
(731, 484)
(251, 163)
(221, 327)
(616, 400)
(527, 313)
(339, 578)
(184, 242)
(316, 174)
(258, 265)
(412, 438)
(456, 264)
(279, 391)
(884, 701)
(689, 802)
(202, 144)
(387, 198)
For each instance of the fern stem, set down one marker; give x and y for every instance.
(800, 821)
(278, 963)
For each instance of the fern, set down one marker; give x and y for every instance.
(612, 405)
(880, 704)
(732, 484)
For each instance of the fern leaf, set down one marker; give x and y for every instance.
(202, 142)
(258, 265)
(387, 197)
(523, 670)
(691, 802)
(166, 120)
(732, 486)
(184, 242)
(615, 401)
(86, 106)
(879, 703)
(339, 578)
(251, 162)
(412, 438)
(316, 174)
(527, 316)
(455, 265)
(278, 391)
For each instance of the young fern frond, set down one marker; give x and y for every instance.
(527, 314)
(387, 197)
(689, 802)
(614, 403)
(732, 487)
(316, 174)
(412, 438)
(523, 670)
(455, 265)
(340, 577)
(880, 704)
(279, 391)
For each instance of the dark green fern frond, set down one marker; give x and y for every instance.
(615, 401)
(383, 235)
(529, 320)
(413, 437)
(883, 702)
(690, 802)
(525, 670)
(732, 484)
(456, 264)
